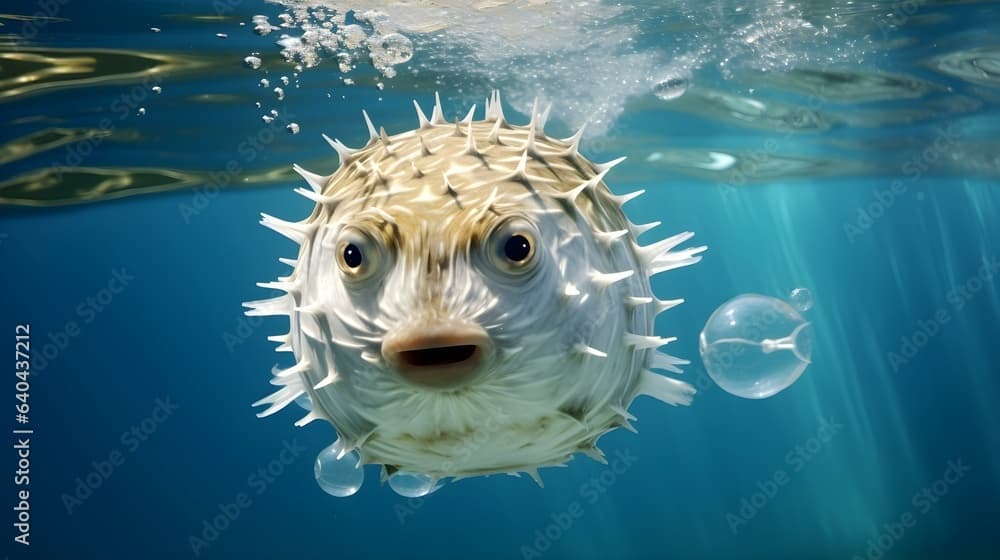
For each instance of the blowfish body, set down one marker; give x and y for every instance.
(469, 298)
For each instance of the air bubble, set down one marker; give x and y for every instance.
(265, 83)
(157, 90)
(261, 26)
(338, 477)
(252, 62)
(293, 128)
(344, 62)
(671, 87)
(389, 50)
(801, 299)
(280, 93)
(755, 346)
(412, 485)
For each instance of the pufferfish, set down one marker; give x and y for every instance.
(469, 299)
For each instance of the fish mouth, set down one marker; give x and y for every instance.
(441, 356)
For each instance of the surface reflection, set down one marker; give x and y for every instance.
(29, 71)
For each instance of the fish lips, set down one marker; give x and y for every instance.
(442, 355)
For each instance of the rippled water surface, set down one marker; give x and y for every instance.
(850, 148)
(827, 83)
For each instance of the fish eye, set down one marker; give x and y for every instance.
(359, 255)
(517, 248)
(512, 247)
(352, 256)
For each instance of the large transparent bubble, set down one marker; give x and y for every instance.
(338, 474)
(755, 346)
(413, 485)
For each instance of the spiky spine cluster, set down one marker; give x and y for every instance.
(429, 192)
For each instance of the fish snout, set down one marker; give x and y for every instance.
(442, 355)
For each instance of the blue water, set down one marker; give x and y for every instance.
(888, 446)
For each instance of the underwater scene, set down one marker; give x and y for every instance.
(536, 279)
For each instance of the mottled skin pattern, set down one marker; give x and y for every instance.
(571, 328)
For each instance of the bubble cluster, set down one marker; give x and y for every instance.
(261, 26)
(312, 33)
(389, 50)
(353, 36)
(591, 58)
